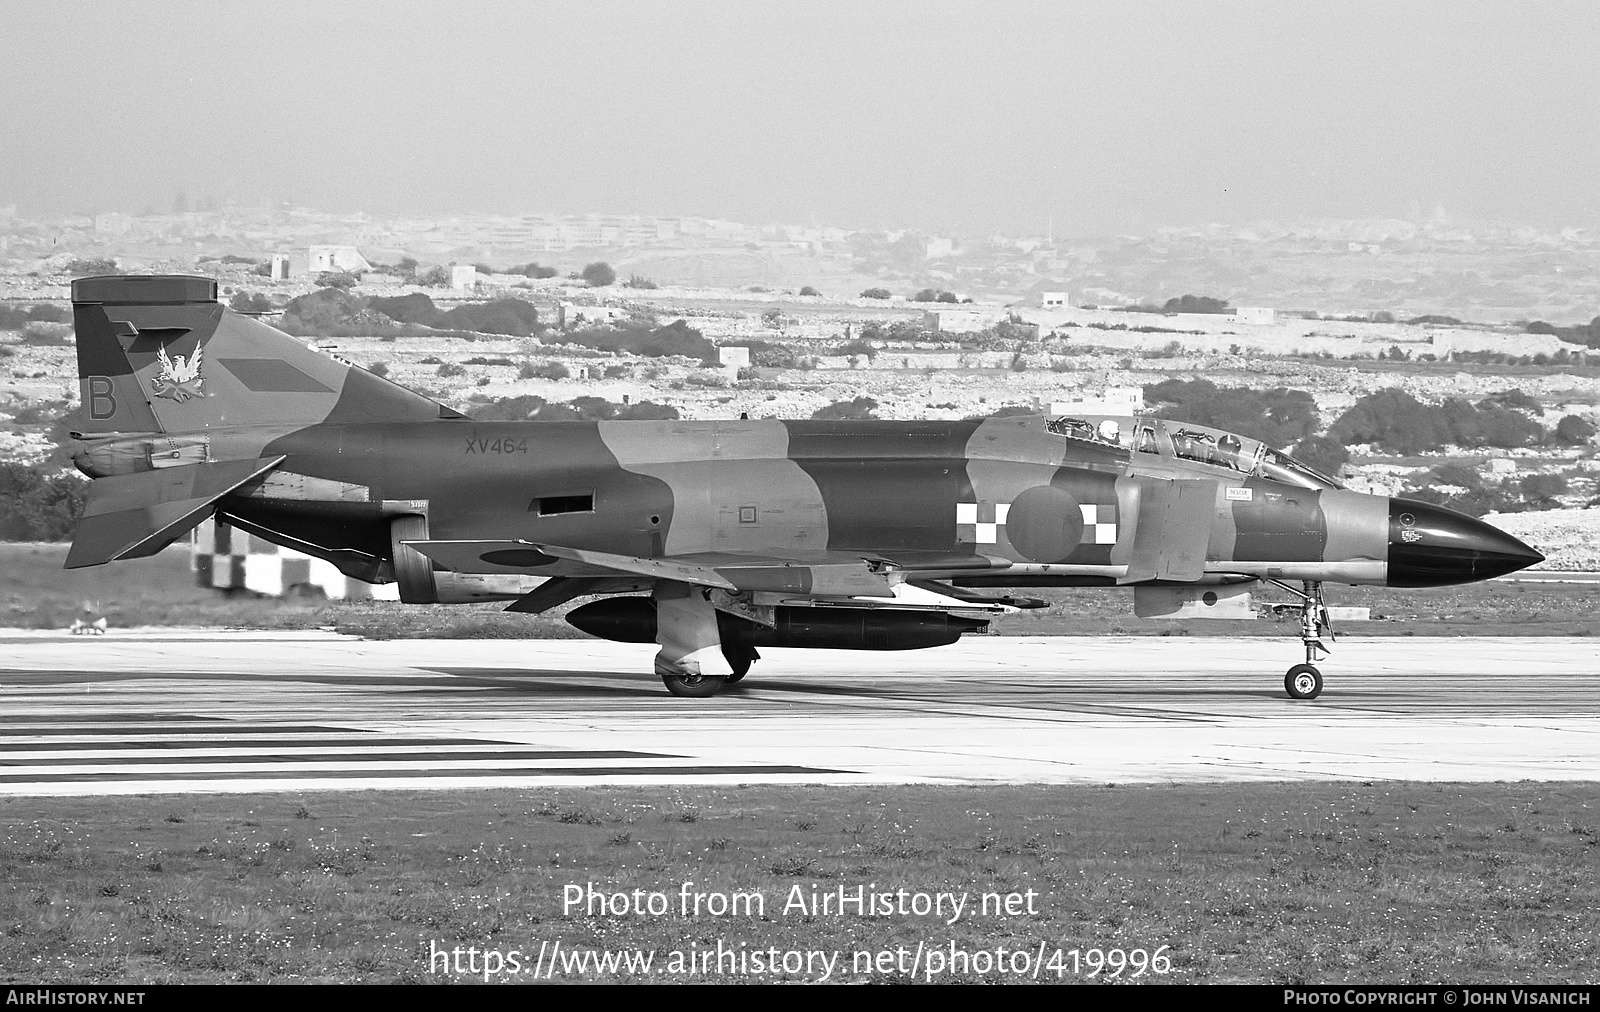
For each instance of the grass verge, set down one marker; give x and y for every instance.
(1274, 883)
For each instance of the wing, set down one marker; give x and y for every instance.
(824, 574)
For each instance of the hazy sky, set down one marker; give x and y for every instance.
(958, 117)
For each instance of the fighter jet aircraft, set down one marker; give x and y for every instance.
(712, 539)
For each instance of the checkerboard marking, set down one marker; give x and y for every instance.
(980, 523)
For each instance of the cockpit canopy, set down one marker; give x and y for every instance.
(1200, 444)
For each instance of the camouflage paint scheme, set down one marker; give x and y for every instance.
(194, 409)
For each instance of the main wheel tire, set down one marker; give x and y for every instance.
(693, 686)
(1303, 682)
(739, 661)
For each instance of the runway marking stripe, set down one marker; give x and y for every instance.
(504, 755)
(550, 771)
(123, 743)
(110, 718)
(92, 728)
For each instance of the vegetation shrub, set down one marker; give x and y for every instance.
(599, 274)
(770, 355)
(18, 317)
(1322, 453)
(39, 503)
(637, 281)
(1574, 431)
(250, 302)
(449, 369)
(1513, 399)
(808, 290)
(857, 347)
(1279, 417)
(1585, 334)
(532, 270)
(1460, 487)
(38, 332)
(513, 317)
(337, 279)
(413, 307)
(1539, 491)
(852, 410)
(1197, 304)
(676, 338)
(875, 293)
(905, 331)
(543, 370)
(1434, 319)
(1393, 420)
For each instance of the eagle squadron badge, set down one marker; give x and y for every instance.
(179, 379)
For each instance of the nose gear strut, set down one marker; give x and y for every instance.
(1304, 681)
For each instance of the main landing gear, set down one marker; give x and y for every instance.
(739, 658)
(1304, 681)
(694, 686)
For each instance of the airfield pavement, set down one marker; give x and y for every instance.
(164, 710)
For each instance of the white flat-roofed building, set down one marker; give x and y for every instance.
(1113, 401)
(324, 259)
(959, 321)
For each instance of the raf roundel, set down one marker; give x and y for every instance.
(1046, 524)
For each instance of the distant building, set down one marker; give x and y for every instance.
(1054, 300)
(959, 321)
(1254, 316)
(324, 259)
(463, 277)
(732, 359)
(280, 268)
(936, 248)
(1114, 401)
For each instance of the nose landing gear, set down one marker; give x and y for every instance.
(1304, 681)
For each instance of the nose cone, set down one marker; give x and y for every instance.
(1430, 546)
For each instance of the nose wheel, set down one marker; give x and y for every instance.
(1304, 681)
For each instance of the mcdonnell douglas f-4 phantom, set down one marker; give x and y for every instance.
(711, 538)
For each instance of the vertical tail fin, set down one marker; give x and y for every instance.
(159, 353)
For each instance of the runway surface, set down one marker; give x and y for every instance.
(178, 711)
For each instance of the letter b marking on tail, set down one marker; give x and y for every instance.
(102, 403)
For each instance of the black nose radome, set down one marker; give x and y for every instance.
(1431, 546)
